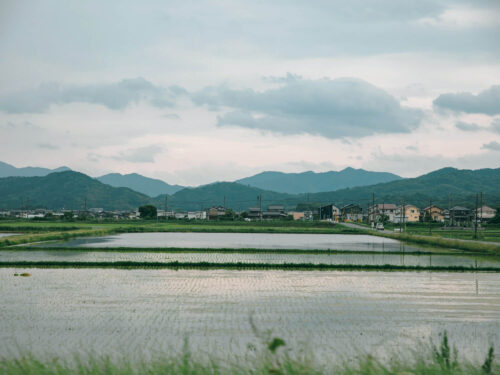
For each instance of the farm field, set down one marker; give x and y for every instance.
(274, 241)
(147, 291)
(147, 313)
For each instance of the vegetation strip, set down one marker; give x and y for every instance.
(472, 246)
(242, 265)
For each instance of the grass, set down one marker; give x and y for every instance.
(271, 359)
(241, 266)
(470, 246)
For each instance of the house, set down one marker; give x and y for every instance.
(197, 215)
(215, 212)
(436, 213)
(297, 215)
(486, 213)
(407, 214)
(351, 212)
(329, 212)
(254, 213)
(387, 209)
(460, 215)
(274, 212)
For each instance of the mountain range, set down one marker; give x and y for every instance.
(7, 170)
(68, 189)
(142, 184)
(291, 183)
(311, 182)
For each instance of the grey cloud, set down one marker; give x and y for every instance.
(466, 126)
(486, 102)
(337, 108)
(140, 155)
(171, 116)
(113, 96)
(495, 126)
(493, 145)
(48, 146)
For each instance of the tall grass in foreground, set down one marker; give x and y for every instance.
(441, 359)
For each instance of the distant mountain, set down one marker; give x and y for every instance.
(447, 186)
(236, 196)
(7, 170)
(142, 184)
(311, 182)
(66, 190)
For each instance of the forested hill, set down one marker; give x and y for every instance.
(236, 196)
(447, 186)
(69, 189)
(149, 186)
(66, 190)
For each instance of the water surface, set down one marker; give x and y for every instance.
(150, 312)
(243, 240)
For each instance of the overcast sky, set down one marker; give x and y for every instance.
(197, 91)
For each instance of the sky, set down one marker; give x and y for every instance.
(194, 92)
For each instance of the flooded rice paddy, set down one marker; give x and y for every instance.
(141, 313)
(243, 240)
(424, 260)
(8, 234)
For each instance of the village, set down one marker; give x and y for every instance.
(382, 213)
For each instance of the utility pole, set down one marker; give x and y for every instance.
(430, 217)
(166, 207)
(481, 209)
(404, 215)
(373, 207)
(475, 217)
(224, 203)
(260, 206)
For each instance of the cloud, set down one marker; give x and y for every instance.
(493, 145)
(466, 126)
(140, 155)
(48, 146)
(495, 126)
(336, 108)
(113, 96)
(486, 102)
(461, 17)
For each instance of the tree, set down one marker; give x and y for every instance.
(68, 215)
(496, 218)
(148, 211)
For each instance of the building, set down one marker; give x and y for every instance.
(274, 212)
(486, 213)
(407, 214)
(460, 215)
(351, 212)
(329, 212)
(436, 213)
(215, 212)
(254, 213)
(197, 215)
(297, 215)
(387, 209)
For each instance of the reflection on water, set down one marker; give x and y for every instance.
(244, 240)
(131, 312)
